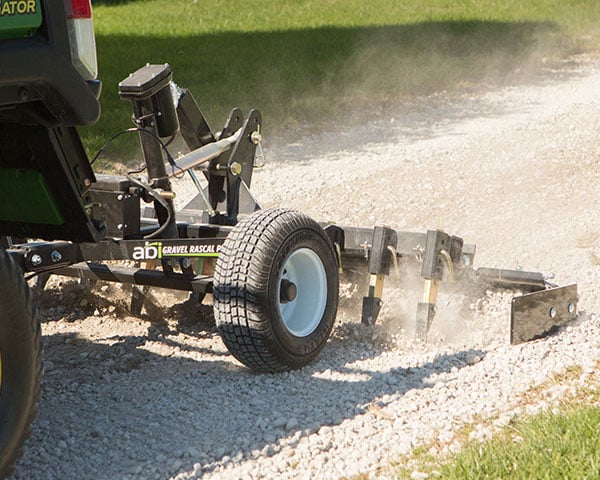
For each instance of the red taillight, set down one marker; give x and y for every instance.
(78, 9)
(81, 37)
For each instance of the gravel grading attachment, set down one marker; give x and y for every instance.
(273, 273)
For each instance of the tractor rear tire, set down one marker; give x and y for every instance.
(276, 290)
(20, 363)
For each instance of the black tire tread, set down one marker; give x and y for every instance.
(241, 321)
(14, 287)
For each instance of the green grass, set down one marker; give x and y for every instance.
(558, 444)
(546, 446)
(305, 61)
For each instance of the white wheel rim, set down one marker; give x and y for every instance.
(302, 315)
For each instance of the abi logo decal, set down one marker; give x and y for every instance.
(156, 250)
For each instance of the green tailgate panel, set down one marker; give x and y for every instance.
(19, 18)
(27, 198)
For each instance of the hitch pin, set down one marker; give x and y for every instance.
(256, 138)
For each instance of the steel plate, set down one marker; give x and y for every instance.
(536, 314)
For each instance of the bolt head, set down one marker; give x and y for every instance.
(235, 168)
(56, 256)
(36, 260)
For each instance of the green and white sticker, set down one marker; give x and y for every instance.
(158, 250)
(19, 18)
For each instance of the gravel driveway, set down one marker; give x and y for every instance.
(514, 170)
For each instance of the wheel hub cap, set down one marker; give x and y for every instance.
(302, 292)
(287, 291)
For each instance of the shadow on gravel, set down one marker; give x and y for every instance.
(71, 301)
(120, 409)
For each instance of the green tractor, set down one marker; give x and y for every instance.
(47, 54)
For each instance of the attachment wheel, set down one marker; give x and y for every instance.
(276, 290)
